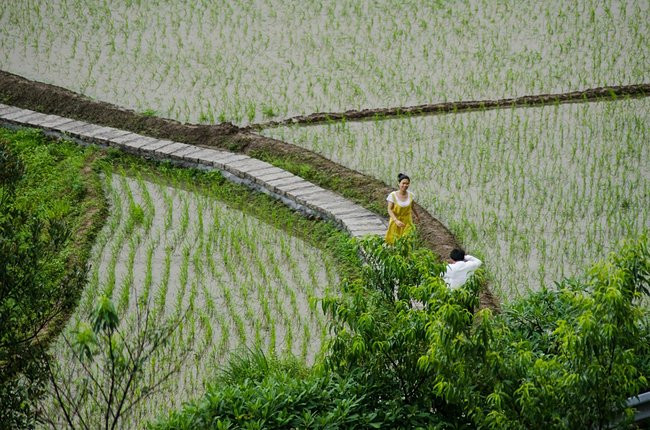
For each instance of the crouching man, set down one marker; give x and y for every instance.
(460, 268)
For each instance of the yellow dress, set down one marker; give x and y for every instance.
(402, 213)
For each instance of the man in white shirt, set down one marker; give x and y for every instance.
(461, 269)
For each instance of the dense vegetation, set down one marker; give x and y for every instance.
(50, 207)
(53, 204)
(405, 351)
(561, 358)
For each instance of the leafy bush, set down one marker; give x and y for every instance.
(259, 392)
(566, 358)
(407, 352)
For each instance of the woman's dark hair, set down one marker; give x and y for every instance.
(401, 176)
(457, 254)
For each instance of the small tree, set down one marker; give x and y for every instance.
(106, 379)
(383, 327)
(561, 359)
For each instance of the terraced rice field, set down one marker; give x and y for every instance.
(544, 190)
(174, 250)
(538, 193)
(245, 61)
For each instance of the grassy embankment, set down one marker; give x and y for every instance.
(51, 207)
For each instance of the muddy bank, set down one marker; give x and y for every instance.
(590, 95)
(361, 189)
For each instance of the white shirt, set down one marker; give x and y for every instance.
(458, 272)
(403, 203)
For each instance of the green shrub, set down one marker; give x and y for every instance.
(259, 392)
(407, 352)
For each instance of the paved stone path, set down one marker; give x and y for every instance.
(292, 190)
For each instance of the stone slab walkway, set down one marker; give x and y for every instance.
(256, 174)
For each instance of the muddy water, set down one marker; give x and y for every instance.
(192, 252)
(538, 193)
(245, 61)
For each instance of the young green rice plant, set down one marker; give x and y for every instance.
(219, 268)
(288, 337)
(169, 209)
(192, 305)
(161, 292)
(304, 344)
(127, 280)
(184, 221)
(206, 327)
(149, 207)
(183, 277)
(224, 328)
(112, 263)
(148, 279)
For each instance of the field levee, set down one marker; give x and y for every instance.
(589, 95)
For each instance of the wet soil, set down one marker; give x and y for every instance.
(50, 99)
(590, 95)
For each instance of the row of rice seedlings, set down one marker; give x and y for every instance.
(127, 282)
(149, 208)
(248, 61)
(215, 272)
(101, 241)
(121, 236)
(536, 192)
(208, 264)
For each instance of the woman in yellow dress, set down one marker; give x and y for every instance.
(400, 210)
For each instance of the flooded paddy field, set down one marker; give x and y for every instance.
(247, 61)
(538, 193)
(237, 282)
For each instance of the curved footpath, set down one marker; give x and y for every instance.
(259, 175)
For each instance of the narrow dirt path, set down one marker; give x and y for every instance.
(590, 95)
(361, 189)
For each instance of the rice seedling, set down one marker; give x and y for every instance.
(193, 260)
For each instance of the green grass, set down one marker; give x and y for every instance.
(51, 208)
(65, 206)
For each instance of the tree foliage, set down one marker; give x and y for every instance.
(111, 370)
(566, 358)
(412, 353)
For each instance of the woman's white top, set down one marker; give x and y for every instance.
(394, 199)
